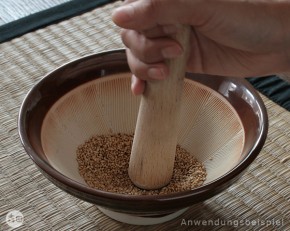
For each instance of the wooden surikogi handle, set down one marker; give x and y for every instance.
(155, 140)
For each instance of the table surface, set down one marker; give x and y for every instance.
(260, 200)
(11, 10)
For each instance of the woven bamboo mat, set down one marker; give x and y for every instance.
(260, 200)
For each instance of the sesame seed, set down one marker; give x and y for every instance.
(103, 163)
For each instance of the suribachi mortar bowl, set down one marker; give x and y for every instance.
(223, 123)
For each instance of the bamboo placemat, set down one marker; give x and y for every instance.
(260, 200)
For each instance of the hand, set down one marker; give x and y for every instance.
(229, 37)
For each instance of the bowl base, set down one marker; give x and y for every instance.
(140, 220)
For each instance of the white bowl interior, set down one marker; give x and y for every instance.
(209, 127)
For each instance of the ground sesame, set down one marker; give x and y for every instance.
(103, 162)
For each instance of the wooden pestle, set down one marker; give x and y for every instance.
(155, 140)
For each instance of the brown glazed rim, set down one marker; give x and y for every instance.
(161, 202)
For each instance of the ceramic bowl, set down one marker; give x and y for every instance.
(223, 123)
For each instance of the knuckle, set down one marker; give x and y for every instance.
(138, 69)
(145, 49)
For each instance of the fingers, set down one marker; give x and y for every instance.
(146, 57)
(125, 15)
(150, 50)
(149, 39)
(137, 85)
(144, 71)
(134, 14)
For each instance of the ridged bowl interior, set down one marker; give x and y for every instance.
(209, 126)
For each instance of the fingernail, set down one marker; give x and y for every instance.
(156, 73)
(133, 80)
(137, 85)
(171, 52)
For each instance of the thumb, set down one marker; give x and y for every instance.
(145, 14)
